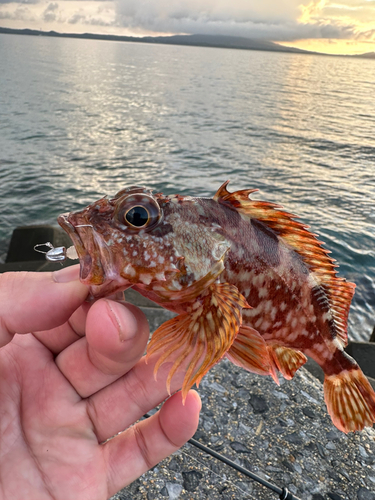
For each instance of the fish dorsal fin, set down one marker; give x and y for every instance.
(297, 237)
(199, 338)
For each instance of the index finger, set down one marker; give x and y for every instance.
(38, 301)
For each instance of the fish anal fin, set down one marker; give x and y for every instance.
(287, 361)
(296, 236)
(350, 400)
(250, 351)
(195, 341)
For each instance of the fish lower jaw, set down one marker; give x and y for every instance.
(91, 270)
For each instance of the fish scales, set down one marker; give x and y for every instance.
(246, 279)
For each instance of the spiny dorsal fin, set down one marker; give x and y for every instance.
(296, 235)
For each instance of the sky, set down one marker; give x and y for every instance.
(330, 26)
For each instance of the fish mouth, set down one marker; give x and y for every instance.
(91, 270)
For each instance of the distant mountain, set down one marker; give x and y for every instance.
(366, 55)
(232, 42)
(221, 41)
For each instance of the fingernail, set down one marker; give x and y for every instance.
(117, 312)
(66, 274)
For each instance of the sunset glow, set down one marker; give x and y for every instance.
(330, 26)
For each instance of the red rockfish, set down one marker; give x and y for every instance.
(246, 280)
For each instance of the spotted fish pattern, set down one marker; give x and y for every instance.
(246, 279)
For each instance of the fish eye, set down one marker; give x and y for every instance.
(137, 216)
(136, 212)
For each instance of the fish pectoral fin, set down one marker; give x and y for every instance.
(287, 361)
(250, 351)
(198, 339)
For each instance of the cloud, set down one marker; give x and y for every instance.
(238, 17)
(19, 13)
(278, 20)
(23, 2)
(51, 12)
(270, 19)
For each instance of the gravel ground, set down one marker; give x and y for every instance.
(283, 434)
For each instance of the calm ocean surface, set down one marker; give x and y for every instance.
(81, 118)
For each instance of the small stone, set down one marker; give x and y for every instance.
(321, 450)
(200, 436)
(288, 465)
(297, 468)
(236, 384)
(330, 445)
(317, 496)
(164, 492)
(280, 395)
(282, 422)
(239, 447)
(334, 496)
(258, 403)
(174, 465)
(332, 474)
(294, 438)
(362, 451)
(218, 447)
(333, 435)
(308, 412)
(191, 480)
(217, 387)
(243, 393)
(365, 494)
(174, 490)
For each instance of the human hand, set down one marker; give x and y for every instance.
(74, 382)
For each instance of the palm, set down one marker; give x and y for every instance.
(56, 442)
(63, 394)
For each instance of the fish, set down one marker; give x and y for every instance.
(245, 278)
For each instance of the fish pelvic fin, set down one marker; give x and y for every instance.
(198, 339)
(249, 351)
(350, 400)
(297, 237)
(287, 361)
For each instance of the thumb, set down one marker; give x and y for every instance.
(38, 301)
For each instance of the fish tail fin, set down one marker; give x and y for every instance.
(350, 400)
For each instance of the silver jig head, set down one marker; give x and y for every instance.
(57, 254)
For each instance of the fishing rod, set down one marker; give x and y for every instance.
(284, 493)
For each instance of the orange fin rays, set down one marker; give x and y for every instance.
(295, 235)
(287, 361)
(350, 400)
(197, 340)
(249, 351)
